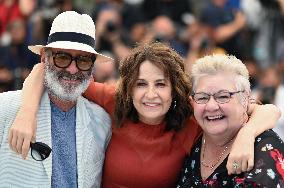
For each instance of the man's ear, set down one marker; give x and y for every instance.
(42, 55)
(42, 58)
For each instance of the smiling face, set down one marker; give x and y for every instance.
(66, 83)
(152, 94)
(221, 120)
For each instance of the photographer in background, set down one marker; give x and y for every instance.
(271, 90)
(109, 32)
(163, 29)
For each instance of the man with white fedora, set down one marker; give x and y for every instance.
(72, 133)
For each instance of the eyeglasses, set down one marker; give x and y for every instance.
(63, 60)
(40, 151)
(220, 97)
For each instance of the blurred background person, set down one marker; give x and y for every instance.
(174, 9)
(110, 32)
(199, 43)
(254, 71)
(165, 31)
(224, 24)
(106, 72)
(265, 18)
(12, 10)
(271, 90)
(15, 57)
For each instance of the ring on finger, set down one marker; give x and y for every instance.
(235, 165)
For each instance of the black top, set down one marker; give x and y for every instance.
(268, 169)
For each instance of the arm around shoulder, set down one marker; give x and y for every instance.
(23, 129)
(262, 118)
(102, 94)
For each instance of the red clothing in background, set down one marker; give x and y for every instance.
(8, 14)
(141, 155)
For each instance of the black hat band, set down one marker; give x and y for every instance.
(72, 37)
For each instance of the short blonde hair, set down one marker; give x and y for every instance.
(221, 63)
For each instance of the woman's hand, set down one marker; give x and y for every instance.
(22, 132)
(242, 152)
(262, 118)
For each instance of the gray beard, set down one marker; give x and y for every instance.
(64, 92)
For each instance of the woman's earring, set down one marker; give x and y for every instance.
(175, 104)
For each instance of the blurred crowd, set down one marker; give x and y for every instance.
(252, 30)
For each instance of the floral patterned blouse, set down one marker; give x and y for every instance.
(268, 170)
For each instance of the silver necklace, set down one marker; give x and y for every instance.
(211, 166)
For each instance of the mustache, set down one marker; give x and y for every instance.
(77, 76)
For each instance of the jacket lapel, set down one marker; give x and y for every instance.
(44, 130)
(82, 121)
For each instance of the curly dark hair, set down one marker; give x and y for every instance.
(172, 64)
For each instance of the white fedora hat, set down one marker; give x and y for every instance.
(72, 31)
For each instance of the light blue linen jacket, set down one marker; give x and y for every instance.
(93, 131)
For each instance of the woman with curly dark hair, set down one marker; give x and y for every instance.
(153, 129)
(171, 64)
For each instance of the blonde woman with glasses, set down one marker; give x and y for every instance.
(221, 99)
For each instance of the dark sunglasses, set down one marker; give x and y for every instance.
(40, 151)
(63, 60)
